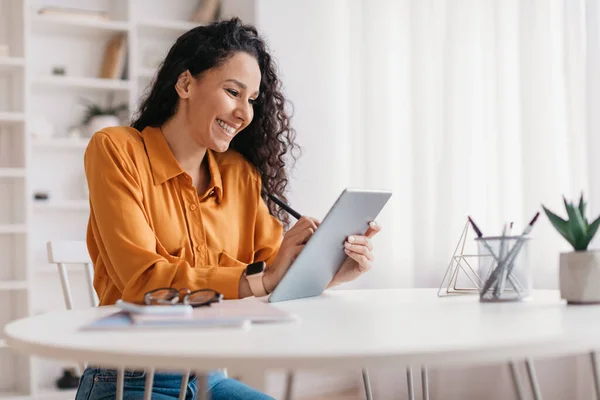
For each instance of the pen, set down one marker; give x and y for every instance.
(287, 208)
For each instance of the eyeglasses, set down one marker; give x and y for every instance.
(170, 296)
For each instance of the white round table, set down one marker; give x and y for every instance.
(340, 329)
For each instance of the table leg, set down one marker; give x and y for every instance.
(185, 378)
(148, 384)
(535, 388)
(289, 386)
(409, 383)
(367, 384)
(514, 373)
(594, 360)
(425, 383)
(120, 380)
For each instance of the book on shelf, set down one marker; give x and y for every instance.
(207, 11)
(115, 58)
(74, 13)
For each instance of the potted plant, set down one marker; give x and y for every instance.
(97, 117)
(579, 275)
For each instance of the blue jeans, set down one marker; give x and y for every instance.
(101, 384)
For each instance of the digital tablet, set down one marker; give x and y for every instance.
(323, 254)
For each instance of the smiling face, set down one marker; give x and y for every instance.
(218, 103)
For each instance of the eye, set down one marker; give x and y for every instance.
(252, 101)
(232, 92)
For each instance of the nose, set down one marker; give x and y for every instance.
(243, 112)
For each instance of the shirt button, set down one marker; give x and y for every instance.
(193, 207)
(199, 248)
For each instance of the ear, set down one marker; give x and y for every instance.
(183, 84)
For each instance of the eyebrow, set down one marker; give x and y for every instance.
(240, 84)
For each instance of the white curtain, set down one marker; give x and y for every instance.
(485, 108)
(470, 107)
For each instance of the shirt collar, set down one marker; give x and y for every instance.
(164, 165)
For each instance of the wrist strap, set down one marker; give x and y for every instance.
(256, 285)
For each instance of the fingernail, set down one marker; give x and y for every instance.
(351, 239)
(373, 224)
(347, 245)
(346, 251)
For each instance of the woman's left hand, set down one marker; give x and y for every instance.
(360, 256)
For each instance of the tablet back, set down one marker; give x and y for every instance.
(323, 254)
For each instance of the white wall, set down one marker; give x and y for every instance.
(307, 39)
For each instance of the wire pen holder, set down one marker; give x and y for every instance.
(504, 268)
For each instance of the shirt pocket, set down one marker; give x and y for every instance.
(225, 260)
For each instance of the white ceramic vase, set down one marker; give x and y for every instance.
(580, 277)
(100, 122)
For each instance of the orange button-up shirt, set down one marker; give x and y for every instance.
(149, 228)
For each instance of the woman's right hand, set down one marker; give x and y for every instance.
(291, 245)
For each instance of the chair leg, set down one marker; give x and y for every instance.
(535, 387)
(409, 383)
(516, 378)
(148, 384)
(289, 385)
(201, 378)
(425, 383)
(594, 360)
(120, 380)
(185, 378)
(367, 384)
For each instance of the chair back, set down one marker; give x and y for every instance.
(65, 253)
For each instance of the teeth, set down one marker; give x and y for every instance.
(229, 129)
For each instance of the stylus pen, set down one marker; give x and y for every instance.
(287, 208)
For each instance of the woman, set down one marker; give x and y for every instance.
(178, 200)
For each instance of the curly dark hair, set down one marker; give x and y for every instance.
(268, 141)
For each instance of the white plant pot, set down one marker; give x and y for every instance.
(100, 122)
(580, 277)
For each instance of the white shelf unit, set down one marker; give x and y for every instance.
(30, 163)
(15, 370)
(11, 117)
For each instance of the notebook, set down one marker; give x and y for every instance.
(229, 313)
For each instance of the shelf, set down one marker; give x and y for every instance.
(13, 285)
(7, 229)
(82, 82)
(52, 394)
(11, 64)
(9, 117)
(167, 25)
(74, 25)
(12, 172)
(61, 143)
(42, 394)
(61, 205)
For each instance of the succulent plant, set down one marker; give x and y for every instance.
(578, 232)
